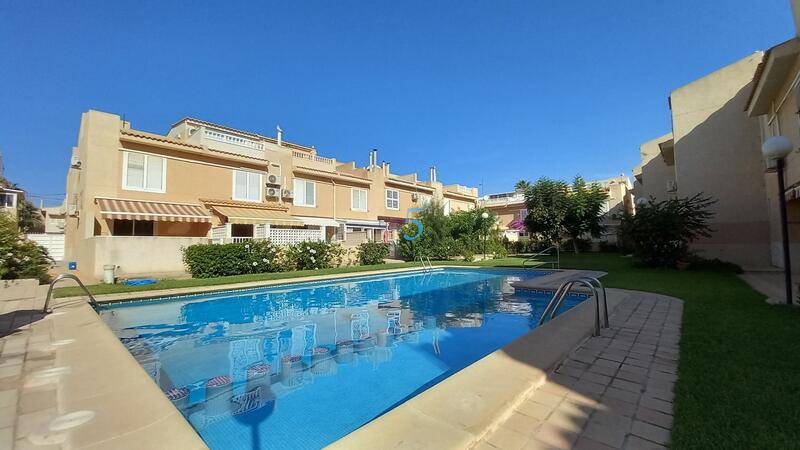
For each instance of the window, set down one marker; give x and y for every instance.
(359, 199)
(122, 227)
(393, 199)
(305, 193)
(246, 186)
(7, 200)
(523, 213)
(447, 207)
(144, 172)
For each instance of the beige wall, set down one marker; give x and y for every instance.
(198, 167)
(138, 255)
(717, 152)
(780, 118)
(655, 171)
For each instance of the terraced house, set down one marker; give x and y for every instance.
(135, 198)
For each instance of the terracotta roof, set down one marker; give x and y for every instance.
(156, 137)
(340, 174)
(409, 183)
(240, 204)
(245, 133)
(166, 140)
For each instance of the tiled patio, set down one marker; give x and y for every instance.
(614, 391)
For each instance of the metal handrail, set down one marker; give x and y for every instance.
(558, 298)
(422, 260)
(546, 252)
(92, 300)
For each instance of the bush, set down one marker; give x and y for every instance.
(372, 253)
(660, 232)
(583, 245)
(311, 255)
(712, 265)
(20, 258)
(608, 247)
(445, 236)
(211, 260)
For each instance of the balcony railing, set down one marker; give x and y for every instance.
(233, 140)
(506, 200)
(312, 157)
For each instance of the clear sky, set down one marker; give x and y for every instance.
(489, 91)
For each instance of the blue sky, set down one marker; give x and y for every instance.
(490, 92)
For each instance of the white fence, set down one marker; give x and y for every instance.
(53, 242)
(279, 236)
(288, 236)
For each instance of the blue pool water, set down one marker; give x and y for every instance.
(301, 365)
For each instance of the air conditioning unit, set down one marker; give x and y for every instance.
(72, 210)
(287, 193)
(414, 197)
(75, 162)
(672, 186)
(273, 180)
(273, 192)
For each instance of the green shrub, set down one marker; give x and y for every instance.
(444, 236)
(712, 265)
(372, 253)
(212, 260)
(608, 247)
(21, 258)
(660, 232)
(311, 255)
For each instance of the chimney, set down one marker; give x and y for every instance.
(433, 174)
(385, 167)
(280, 135)
(373, 157)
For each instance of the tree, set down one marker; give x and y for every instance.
(557, 209)
(547, 203)
(29, 218)
(522, 185)
(585, 213)
(660, 232)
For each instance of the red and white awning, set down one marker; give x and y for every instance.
(112, 208)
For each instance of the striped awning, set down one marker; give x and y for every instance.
(257, 215)
(111, 208)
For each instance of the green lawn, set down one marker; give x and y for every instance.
(739, 375)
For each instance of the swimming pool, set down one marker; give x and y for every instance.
(301, 365)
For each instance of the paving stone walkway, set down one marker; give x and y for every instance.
(613, 392)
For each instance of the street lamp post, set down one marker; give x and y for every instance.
(484, 216)
(776, 149)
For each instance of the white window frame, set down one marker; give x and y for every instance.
(144, 175)
(296, 197)
(260, 185)
(353, 192)
(387, 199)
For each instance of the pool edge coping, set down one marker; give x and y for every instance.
(462, 409)
(96, 341)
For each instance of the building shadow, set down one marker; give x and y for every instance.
(13, 322)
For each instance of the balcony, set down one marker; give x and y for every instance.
(510, 198)
(463, 190)
(313, 161)
(231, 143)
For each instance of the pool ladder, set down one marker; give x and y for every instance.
(561, 293)
(63, 276)
(554, 264)
(423, 260)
